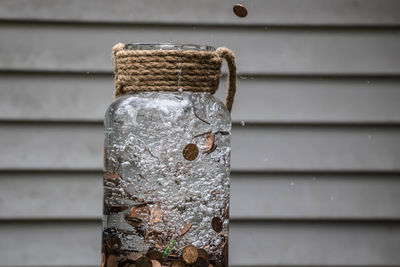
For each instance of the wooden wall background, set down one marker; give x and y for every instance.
(315, 170)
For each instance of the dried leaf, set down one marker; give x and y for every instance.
(133, 221)
(217, 224)
(115, 208)
(141, 212)
(111, 176)
(112, 261)
(210, 139)
(155, 263)
(186, 229)
(156, 215)
(144, 262)
(134, 256)
(103, 259)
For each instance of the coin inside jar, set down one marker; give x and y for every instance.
(190, 152)
(190, 254)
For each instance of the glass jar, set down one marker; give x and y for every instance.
(166, 177)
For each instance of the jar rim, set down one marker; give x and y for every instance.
(168, 46)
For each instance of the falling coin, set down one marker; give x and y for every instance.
(190, 254)
(240, 10)
(216, 224)
(190, 152)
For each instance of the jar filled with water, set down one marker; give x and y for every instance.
(166, 159)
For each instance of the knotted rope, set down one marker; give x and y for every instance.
(172, 71)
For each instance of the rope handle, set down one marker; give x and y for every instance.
(127, 69)
(228, 55)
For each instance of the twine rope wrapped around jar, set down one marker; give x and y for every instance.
(172, 71)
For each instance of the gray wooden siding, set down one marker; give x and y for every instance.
(315, 168)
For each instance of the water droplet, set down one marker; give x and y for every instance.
(369, 137)
(242, 123)
(368, 82)
(242, 77)
(180, 90)
(332, 198)
(87, 72)
(291, 183)
(314, 178)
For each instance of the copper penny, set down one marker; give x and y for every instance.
(190, 254)
(240, 10)
(216, 224)
(190, 152)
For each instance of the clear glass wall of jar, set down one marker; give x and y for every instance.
(166, 177)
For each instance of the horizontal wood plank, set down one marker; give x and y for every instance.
(275, 12)
(314, 196)
(280, 51)
(251, 243)
(260, 99)
(75, 146)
